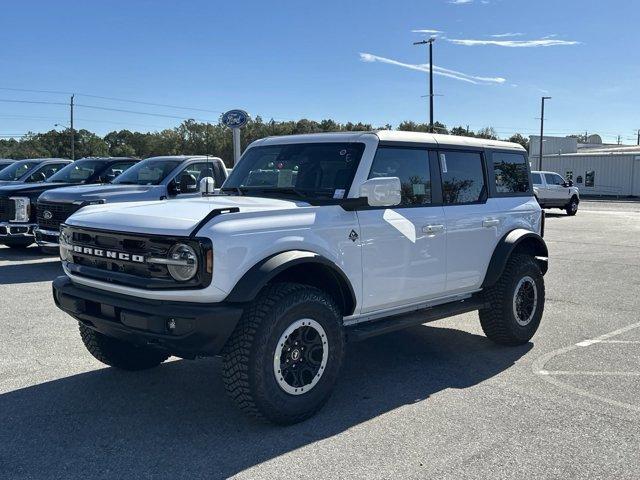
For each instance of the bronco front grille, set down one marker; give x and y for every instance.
(121, 257)
(57, 214)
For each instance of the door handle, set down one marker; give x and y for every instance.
(490, 222)
(432, 229)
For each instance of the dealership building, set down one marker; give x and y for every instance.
(594, 167)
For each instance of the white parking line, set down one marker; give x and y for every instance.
(548, 375)
(589, 373)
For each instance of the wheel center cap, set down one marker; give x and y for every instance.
(295, 355)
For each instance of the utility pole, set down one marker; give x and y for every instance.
(430, 42)
(542, 129)
(639, 136)
(618, 139)
(73, 140)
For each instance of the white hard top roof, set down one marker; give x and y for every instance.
(393, 136)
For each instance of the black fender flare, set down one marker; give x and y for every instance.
(258, 276)
(516, 240)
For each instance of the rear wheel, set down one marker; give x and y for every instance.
(572, 207)
(18, 242)
(516, 302)
(284, 357)
(119, 354)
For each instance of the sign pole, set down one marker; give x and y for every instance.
(236, 145)
(235, 120)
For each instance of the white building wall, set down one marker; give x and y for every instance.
(552, 145)
(614, 174)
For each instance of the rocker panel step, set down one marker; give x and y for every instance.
(372, 328)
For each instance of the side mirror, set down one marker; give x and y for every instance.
(108, 178)
(570, 183)
(382, 192)
(172, 189)
(207, 185)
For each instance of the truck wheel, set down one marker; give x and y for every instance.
(572, 207)
(119, 354)
(17, 242)
(516, 302)
(284, 357)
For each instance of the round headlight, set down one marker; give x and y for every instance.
(183, 262)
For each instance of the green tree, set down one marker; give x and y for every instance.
(517, 138)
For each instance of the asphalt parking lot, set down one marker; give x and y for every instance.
(435, 401)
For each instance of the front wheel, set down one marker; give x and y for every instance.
(572, 207)
(284, 357)
(516, 302)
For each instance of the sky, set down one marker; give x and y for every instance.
(348, 60)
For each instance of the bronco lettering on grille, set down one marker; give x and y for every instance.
(97, 252)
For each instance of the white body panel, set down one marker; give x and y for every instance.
(403, 256)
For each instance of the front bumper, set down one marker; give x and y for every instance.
(47, 238)
(179, 328)
(16, 230)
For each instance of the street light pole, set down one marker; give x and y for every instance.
(430, 42)
(73, 142)
(542, 129)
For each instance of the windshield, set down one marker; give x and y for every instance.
(16, 171)
(148, 172)
(307, 170)
(77, 172)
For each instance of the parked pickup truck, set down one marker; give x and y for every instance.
(553, 191)
(155, 178)
(17, 200)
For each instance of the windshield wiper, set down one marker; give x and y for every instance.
(276, 190)
(237, 190)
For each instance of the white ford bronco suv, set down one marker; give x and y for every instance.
(314, 241)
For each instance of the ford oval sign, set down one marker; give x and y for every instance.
(235, 118)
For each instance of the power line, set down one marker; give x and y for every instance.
(114, 99)
(39, 102)
(95, 107)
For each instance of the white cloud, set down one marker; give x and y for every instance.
(503, 35)
(460, 2)
(426, 31)
(512, 43)
(444, 72)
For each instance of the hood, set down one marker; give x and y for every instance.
(109, 193)
(169, 217)
(27, 189)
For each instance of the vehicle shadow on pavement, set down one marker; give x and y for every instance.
(30, 272)
(23, 254)
(176, 421)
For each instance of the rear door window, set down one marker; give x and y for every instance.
(462, 177)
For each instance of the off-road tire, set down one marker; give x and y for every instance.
(248, 356)
(498, 320)
(572, 206)
(19, 243)
(119, 354)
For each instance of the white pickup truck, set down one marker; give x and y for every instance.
(553, 191)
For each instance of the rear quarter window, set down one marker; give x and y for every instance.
(510, 173)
